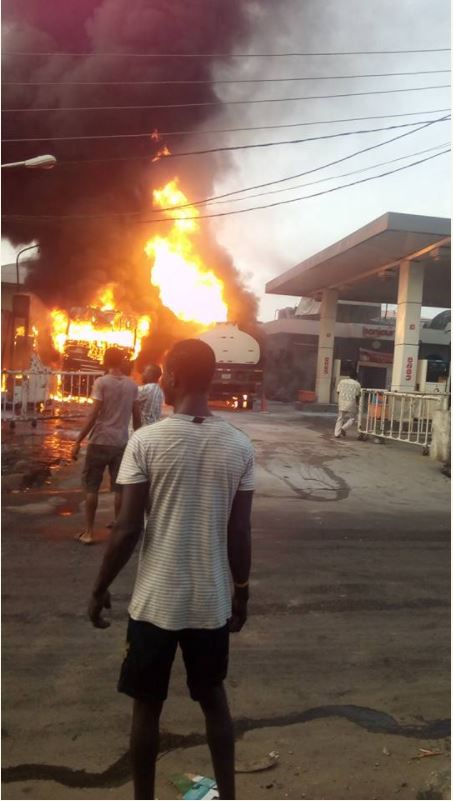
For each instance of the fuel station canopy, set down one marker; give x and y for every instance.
(364, 266)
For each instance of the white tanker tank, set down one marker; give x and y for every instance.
(238, 377)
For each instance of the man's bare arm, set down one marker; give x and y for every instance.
(240, 555)
(124, 537)
(90, 421)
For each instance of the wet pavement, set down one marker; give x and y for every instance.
(35, 453)
(343, 667)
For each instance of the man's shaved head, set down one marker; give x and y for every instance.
(189, 368)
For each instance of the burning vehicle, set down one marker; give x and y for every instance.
(194, 298)
(90, 331)
(189, 289)
(83, 334)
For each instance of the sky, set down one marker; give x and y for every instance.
(267, 242)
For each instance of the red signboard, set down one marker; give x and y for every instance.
(375, 356)
(326, 365)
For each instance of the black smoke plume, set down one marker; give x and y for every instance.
(79, 256)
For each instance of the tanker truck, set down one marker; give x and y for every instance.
(238, 377)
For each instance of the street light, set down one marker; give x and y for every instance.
(37, 163)
(29, 247)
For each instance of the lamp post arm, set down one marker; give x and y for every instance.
(18, 255)
(13, 164)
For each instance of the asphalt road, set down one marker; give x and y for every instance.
(343, 667)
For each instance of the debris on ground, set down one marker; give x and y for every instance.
(203, 788)
(36, 476)
(262, 764)
(195, 786)
(426, 752)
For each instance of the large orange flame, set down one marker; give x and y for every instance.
(120, 330)
(191, 290)
(106, 298)
(186, 285)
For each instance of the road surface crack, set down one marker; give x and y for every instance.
(118, 773)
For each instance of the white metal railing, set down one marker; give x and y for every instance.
(36, 395)
(401, 416)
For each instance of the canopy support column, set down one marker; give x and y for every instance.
(407, 332)
(326, 345)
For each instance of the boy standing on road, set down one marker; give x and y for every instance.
(348, 391)
(115, 400)
(197, 471)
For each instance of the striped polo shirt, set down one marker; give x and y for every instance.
(194, 470)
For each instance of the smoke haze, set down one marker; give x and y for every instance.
(77, 258)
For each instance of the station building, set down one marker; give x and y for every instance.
(343, 316)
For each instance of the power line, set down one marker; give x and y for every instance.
(296, 141)
(21, 218)
(300, 174)
(224, 80)
(256, 145)
(295, 200)
(228, 102)
(330, 177)
(228, 55)
(164, 134)
(235, 192)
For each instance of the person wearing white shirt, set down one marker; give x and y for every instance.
(195, 471)
(348, 391)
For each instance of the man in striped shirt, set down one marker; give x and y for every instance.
(196, 471)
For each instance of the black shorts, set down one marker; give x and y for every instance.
(145, 673)
(99, 457)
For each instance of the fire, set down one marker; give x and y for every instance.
(69, 397)
(99, 337)
(163, 151)
(60, 321)
(191, 290)
(186, 285)
(98, 327)
(107, 299)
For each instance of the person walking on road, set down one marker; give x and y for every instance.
(150, 395)
(115, 400)
(348, 392)
(197, 471)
